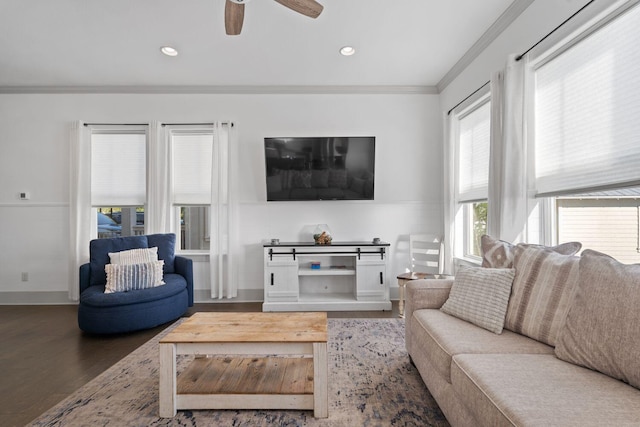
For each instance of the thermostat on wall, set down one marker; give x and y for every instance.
(25, 196)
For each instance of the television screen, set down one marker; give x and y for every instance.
(326, 168)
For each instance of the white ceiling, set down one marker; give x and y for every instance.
(109, 43)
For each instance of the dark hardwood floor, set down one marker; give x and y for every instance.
(45, 357)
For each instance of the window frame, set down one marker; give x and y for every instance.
(543, 225)
(463, 217)
(115, 129)
(176, 206)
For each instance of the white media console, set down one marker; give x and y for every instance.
(348, 276)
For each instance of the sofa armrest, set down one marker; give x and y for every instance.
(423, 294)
(184, 267)
(426, 293)
(85, 274)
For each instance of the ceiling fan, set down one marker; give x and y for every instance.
(234, 12)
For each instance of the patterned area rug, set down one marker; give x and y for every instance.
(371, 383)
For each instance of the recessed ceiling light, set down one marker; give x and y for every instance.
(347, 50)
(169, 51)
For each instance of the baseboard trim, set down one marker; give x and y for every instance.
(200, 296)
(244, 295)
(36, 298)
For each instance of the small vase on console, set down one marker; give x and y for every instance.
(322, 235)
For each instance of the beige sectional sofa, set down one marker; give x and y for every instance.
(582, 368)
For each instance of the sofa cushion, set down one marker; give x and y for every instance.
(540, 390)
(543, 289)
(99, 254)
(95, 296)
(129, 277)
(601, 330)
(443, 336)
(480, 296)
(166, 244)
(499, 254)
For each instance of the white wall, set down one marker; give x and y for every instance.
(34, 157)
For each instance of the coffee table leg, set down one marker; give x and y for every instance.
(167, 387)
(320, 380)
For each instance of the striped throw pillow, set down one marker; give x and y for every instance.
(543, 289)
(134, 256)
(480, 295)
(129, 277)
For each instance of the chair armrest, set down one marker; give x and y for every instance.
(184, 267)
(84, 282)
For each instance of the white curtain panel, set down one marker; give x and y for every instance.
(507, 198)
(449, 193)
(82, 218)
(223, 213)
(158, 219)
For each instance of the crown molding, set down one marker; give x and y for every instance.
(508, 16)
(253, 90)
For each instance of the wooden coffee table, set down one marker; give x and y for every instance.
(253, 361)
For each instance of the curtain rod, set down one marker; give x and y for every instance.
(116, 124)
(469, 96)
(519, 57)
(147, 124)
(193, 124)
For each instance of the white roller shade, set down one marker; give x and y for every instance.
(474, 136)
(587, 127)
(118, 169)
(192, 155)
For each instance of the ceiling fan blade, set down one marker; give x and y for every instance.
(233, 17)
(310, 8)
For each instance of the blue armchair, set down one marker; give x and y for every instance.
(112, 313)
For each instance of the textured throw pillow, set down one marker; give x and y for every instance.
(128, 277)
(480, 296)
(543, 289)
(499, 254)
(134, 256)
(601, 331)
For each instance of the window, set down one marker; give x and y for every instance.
(192, 166)
(585, 136)
(607, 221)
(473, 175)
(118, 180)
(586, 111)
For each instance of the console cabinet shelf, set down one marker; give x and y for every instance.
(341, 276)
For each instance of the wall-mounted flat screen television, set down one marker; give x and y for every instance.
(320, 168)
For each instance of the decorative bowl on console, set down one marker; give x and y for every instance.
(322, 235)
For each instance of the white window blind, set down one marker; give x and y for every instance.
(587, 131)
(192, 155)
(118, 169)
(473, 167)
